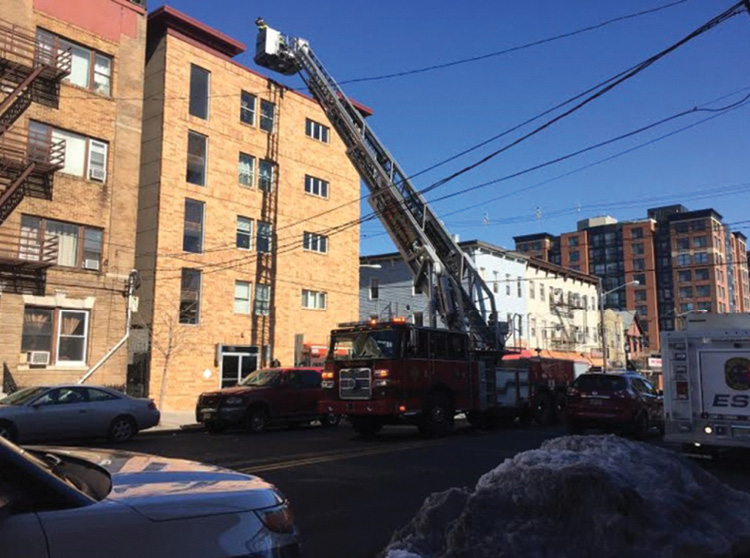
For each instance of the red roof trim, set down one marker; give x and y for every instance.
(189, 27)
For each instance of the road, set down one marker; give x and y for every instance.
(349, 494)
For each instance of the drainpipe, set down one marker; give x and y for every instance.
(132, 283)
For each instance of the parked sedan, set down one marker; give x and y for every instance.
(84, 503)
(74, 411)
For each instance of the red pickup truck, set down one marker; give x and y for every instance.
(263, 397)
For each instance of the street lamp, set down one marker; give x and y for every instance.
(687, 313)
(633, 283)
(370, 266)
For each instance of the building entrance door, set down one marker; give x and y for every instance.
(235, 366)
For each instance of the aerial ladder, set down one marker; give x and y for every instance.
(441, 269)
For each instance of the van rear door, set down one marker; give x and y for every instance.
(725, 382)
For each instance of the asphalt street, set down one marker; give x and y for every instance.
(349, 494)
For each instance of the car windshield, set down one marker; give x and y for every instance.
(367, 344)
(600, 383)
(23, 396)
(263, 377)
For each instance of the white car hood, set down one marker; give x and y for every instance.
(163, 489)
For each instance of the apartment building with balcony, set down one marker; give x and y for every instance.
(70, 136)
(243, 186)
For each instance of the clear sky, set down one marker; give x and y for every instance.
(427, 117)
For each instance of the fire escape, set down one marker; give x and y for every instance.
(30, 71)
(564, 309)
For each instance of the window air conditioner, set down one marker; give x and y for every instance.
(91, 264)
(97, 173)
(39, 358)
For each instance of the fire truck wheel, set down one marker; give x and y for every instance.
(437, 417)
(330, 419)
(366, 426)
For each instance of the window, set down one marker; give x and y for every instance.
(532, 290)
(701, 257)
(495, 285)
(265, 237)
(72, 336)
(640, 296)
(700, 241)
(192, 237)
(642, 310)
(507, 284)
(89, 69)
(685, 276)
(263, 300)
(247, 108)
(519, 287)
(315, 242)
(683, 260)
(683, 244)
(702, 290)
(314, 300)
(190, 295)
(637, 249)
(77, 245)
(687, 307)
(541, 291)
(639, 264)
(246, 170)
(704, 306)
(244, 233)
(85, 157)
(641, 278)
(62, 333)
(573, 241)
(265, 175)
(686, 292)
(37, 329)
(316, 186)
(575, 256)
(419, 319)
(242, 297)
(199, 87)
(374, 288)
(636, 234)
(267, 113)
(196, 158)
(701, 274)
(316, 130)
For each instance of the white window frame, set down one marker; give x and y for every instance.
(315, 186)
(249, 232)
(58, 335)
(253, 111)
(264, 118)
(252, 170)
(261, 183)
(258, 289)
(317, 131)
(374, 286)
(105, 152)
(311, 242)
(247, 301)
(269, 237)
(319, 299)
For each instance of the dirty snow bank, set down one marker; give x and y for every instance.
(583, 496)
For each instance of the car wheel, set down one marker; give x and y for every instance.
(366, 426)
(215, 426)
(122, 429)
(257, 420)
(437, 418)
(330, 420)
(8, 431)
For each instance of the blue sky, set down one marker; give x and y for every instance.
(428, 117)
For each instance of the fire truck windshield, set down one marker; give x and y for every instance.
(367, 344)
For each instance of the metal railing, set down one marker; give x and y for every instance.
(18, 248)
(21, 46)
(21, 147)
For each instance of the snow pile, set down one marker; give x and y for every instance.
(583, 496)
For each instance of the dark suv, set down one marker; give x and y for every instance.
(623, 401)
(281, 395)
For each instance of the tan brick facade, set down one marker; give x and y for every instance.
(176, 43)
(110, 206)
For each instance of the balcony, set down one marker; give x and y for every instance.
(28, 162)
(24, 262)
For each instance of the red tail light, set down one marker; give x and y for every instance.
(151, 405)
(573, 392)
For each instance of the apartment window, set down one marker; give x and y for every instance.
(89, 69)
(247, 108)
(541, 291)
(704, 306)
(573, 241)
(85, 157)
(314, 300)
(60, 332)
(642, 310)
(701, 257)
(700, 241)
(636, 234)
(683, 244)
(683, 260)
(244, 233)
(263, 299)
(637, 249)
(519, 287)
(640, 296)
(265, 175)
(641, 278)
(639, 264)
(418, 319)
(316, 186)
(507, 284)
(267, 113)
(315, 130)
(687, 307)
(199, 87)
(315, 242)
(702, 290)
(265, 237)
(575, 256)
(532, 290)
(190, 295)
(495, 283)
(196, 158)
(192, 237)
(686, 292)
(77, 245)
(246, 170)
(242, 290)
(374, 288)
(685, 276)
(701, 274)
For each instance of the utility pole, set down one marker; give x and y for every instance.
(603, 329)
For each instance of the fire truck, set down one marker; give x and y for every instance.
(385, 373)
(706, 372)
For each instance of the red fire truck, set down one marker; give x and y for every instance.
(395, 371)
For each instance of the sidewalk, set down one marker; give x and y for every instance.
(175, 421)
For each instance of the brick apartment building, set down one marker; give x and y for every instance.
(684, 261)
(238, 268)
(71, 79)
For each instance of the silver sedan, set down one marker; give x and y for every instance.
(74, 411)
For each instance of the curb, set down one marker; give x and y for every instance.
(184, 429)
